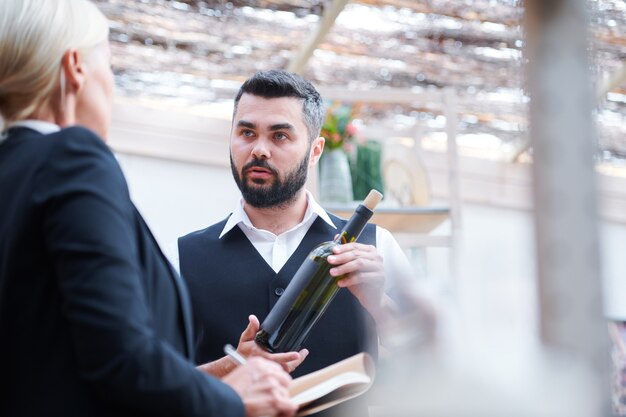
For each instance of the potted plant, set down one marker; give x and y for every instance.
(335, 181)
(350, 165)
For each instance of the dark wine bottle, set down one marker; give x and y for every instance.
(311, 289)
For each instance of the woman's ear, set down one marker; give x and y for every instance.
(317, 147)
(74, 71)
(71, 82)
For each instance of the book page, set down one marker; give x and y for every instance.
(334, 384)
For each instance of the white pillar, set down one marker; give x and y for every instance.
(563, 140)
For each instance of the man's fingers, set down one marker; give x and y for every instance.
(347, 247)
(284, 357)
(289, 360)
(344, 257)
(292, 365)
(370, 279)
(252, 329)
(253, 319)
(359, 265)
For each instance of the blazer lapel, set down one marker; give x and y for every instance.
(181, 289)
(185, 306)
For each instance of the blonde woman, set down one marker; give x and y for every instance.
(93, 321)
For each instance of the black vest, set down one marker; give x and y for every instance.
(229, 280)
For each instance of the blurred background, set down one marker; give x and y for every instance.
(497, 129)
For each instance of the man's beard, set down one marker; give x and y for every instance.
(279, 193)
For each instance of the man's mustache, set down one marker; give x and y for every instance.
(258, 163)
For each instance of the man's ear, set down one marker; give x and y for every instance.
(74, 71)
(317, 147)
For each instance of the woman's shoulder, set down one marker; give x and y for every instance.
(78, 138)
(77, 156)
(79, 144)
(28, 150)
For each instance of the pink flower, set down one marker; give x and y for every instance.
(351, 129)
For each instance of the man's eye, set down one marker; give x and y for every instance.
(280, 136)
(247, 133)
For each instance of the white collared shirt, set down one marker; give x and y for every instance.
(40, 126)
(276, 250)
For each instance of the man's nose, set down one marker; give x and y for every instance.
(261, 149)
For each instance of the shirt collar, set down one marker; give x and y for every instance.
(40, 126)
(239, 215)
(319, 210)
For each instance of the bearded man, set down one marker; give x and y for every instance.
(237, 269)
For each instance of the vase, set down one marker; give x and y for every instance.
(366, 170)
(335, 182)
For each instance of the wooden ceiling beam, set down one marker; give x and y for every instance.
(326, 23)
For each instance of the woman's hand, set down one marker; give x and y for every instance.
(263, 387)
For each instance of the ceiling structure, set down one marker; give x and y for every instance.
(192, 53)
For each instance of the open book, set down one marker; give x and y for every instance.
(332, 385)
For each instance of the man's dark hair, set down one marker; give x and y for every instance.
(276, 84)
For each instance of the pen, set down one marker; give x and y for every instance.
(234, 355)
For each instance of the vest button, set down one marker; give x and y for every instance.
(279, 291)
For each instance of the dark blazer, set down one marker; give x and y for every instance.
(93, 320)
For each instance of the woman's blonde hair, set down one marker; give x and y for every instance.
(34, 36)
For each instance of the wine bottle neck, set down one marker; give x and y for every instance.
(355, 225)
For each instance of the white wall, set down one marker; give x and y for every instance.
(176, 198)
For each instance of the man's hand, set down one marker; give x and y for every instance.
(263, 387)
(247, 347)
(364, 275)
